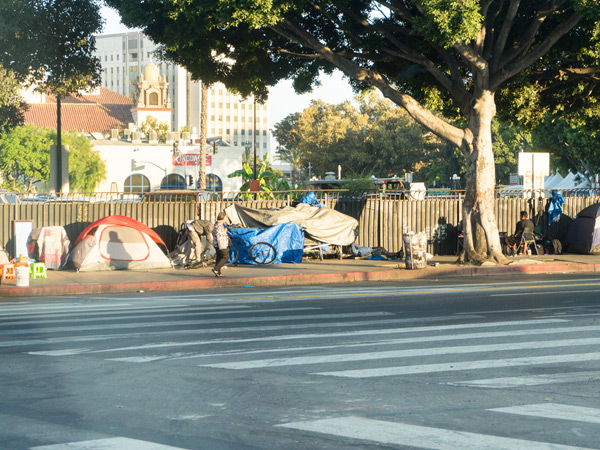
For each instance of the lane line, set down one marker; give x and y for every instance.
(403, 434)
(535, 380)
(459, 366)
(410, 353)
(570, 292)
(554, 411)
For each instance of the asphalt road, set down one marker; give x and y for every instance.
(494, 364)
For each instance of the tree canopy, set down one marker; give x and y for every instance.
(24, 157)
(12, 104)
(467, 59)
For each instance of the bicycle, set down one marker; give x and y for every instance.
(262, 253)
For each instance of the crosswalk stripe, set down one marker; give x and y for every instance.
(108, 444)
(438, 338)
(466, 365)
(154, 314)
(554, 411)
(418, 436)
(198, 322)
(511, 382)
(202, 331)
(410, 353)
(344, 334)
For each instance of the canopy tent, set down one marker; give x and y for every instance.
(118, 242)
(584, 233)
(319, 223)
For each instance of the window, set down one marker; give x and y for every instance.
(213, 183)
(134, 56)
(264, 132)
(173, 181)
(153, 99)
(136, 183)
(264, 145)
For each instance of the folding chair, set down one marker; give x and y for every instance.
(527, 239)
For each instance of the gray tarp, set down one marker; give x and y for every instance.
(322, 224)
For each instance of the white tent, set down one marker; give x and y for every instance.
(118, 242)
(568, 182)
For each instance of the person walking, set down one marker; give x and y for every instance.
(221, 243)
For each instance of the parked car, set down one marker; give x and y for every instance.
(9, 198)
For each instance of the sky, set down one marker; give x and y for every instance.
(283, 100)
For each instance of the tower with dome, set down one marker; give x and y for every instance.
(152, 97)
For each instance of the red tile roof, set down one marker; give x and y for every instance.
(89, 113)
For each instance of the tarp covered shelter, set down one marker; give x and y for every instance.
(319, 223)
(584, 233)
(287, 239)
(118, 242)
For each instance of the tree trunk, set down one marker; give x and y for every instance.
(59, 161)
(203, 131)
(482, 241)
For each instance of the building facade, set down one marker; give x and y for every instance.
(124, 57)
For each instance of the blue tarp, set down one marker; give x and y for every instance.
(555, 207)
(311, 199)
(287, 238)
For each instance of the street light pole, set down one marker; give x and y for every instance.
(254, 138)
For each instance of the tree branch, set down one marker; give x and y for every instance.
(422, 115)
(527, 60)
(498, 48)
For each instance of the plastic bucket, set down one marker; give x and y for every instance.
(22, 276)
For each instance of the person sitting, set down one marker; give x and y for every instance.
(523, 226)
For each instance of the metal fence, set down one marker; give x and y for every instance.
(383, 218)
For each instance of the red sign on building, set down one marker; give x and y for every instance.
(190, 159)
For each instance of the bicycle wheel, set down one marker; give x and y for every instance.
(263, 253)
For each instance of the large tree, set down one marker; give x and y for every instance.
(469, 58)
(51, 44)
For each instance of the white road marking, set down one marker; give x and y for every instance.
(159, 324)
(466, 365)
(554, 411)
(204, 312)
(570, 292)
(402, 434)
(350, 334)
(410, 353)
(369, 343)
(108, 444)
(511, 382)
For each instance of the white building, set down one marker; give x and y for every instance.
(124, 57)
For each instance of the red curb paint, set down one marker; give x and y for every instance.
(289, 280)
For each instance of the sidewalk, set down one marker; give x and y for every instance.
(67, 282)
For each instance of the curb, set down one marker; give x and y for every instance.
(291, 280)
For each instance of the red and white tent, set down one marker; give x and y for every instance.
(118, 242)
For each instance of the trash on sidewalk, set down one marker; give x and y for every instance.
(415, 250)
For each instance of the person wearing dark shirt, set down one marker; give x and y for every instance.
(523, 226)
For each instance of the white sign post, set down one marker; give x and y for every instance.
(533, 167)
